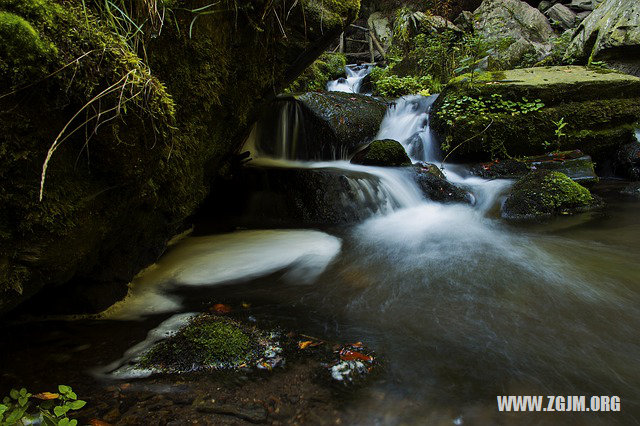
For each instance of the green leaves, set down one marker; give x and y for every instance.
(460, 108)
(15, 408)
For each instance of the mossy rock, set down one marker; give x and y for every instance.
(206, 342)
(111, 202)
(436, 187)
(544, 193)
(386, 152)
(330, 66)
(574, 164)
(599, 110)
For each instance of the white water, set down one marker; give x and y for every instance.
(220, 259)
(353, 82)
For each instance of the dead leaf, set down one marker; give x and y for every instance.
(96, 422)
(347, 355)
(46, 396)
(308, 344)
(221, 308)
(246, 305)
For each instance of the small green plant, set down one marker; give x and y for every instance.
(559, 132)
(468, 108)
(51, 409)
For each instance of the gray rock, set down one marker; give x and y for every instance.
(586, 5)
(633, 190)
(562, 16)
(381, 28)
(464, 21)
(436, 24)
(610, 33)
(499, 19)
(544, 5)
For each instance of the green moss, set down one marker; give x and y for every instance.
(207, 341)
(545, 193)
(329, 66)
(385, 152)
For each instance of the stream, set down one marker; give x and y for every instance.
(460, 305)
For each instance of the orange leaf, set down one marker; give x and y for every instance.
(96, 422)
(46, 396)
(347, 355)
(220, 308)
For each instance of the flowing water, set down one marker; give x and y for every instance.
(460, 305)
(353, 82)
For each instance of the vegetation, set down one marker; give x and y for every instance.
(51, 409)
(543, 193)
(329, 66)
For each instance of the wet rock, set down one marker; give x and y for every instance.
(627, 160)
(386, 152)
(599, 110)
(436, 188)
(633, 190)
(499, 19)
(574, 164)
(338, 122)
(561, 16)
(544, 193)
(610, 33)
(274, 196)
(584, 5)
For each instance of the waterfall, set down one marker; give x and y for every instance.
(353, 82)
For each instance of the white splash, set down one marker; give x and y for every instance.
(226, 258)
(353, 82)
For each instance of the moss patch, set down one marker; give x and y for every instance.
(329, 66)
(545, 193)
(206, 342)
(386, 152)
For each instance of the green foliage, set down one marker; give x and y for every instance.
(22, 407)
(469, 108)
(390, 85)
(328, 67)
(559, 132)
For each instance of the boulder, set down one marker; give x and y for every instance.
(437, 188)
(610, 33)
(574, 164)
(519, 112)
(381, 28)
(627, 161)
(561, 16)
(464, 21)
(317, 126)
(386, 152)
(515, 19)
(437, 24)
(584, 5)
(544, 193)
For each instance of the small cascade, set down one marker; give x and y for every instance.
(353, 82)
(407, 121)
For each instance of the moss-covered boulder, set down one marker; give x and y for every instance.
(529, 111)
(329, 66)
(574, 164)
(545, 193)
(386, 152)
(610, 33)
(206, 342)
(121, 139)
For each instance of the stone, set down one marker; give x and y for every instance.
(599, 109)
(544, 193)
(381, 28)
(386, 153)
(561, 16)
(464, 21)
(574, 164)
(500, 19)
(437, 24)
(584, 5)
(611, 33)
(627, 161)
(437, 188)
